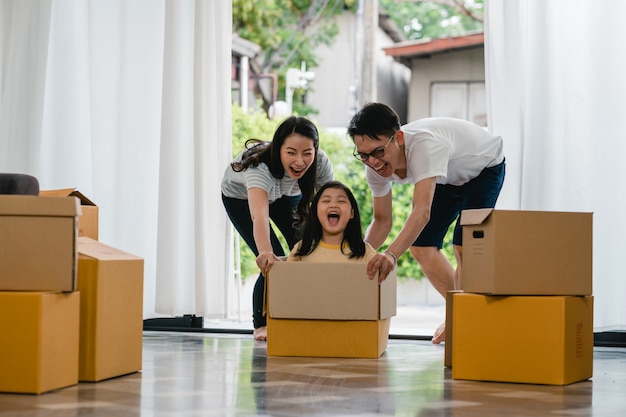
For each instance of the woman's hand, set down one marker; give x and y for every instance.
(265, 260)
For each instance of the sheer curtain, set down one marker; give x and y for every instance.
(129, 101)
(555, 82)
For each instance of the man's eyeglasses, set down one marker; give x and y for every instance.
(376, 153)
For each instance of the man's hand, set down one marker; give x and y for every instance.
(383, 263)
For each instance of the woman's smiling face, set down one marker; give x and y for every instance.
(297, 155)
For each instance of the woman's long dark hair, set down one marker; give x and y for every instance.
(352, 236)
(259, 151)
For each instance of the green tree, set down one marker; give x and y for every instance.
(288, 31)
(434, 19)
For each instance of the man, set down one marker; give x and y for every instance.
(453, 165)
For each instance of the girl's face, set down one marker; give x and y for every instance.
(297, 155)
(334, 211)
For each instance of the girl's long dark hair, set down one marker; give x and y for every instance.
(312, 232)
(259, 151)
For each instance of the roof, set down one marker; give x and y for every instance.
(244, 47)
(404, 51)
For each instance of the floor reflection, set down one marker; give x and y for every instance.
(200, 374)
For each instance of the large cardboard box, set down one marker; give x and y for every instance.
(88, 222)
(38, 243)
(38, 341)
(328, 310)
(111, 311)
(523, 339)
(514, 252)
(447, 358)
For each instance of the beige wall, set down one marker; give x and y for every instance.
(467, 65)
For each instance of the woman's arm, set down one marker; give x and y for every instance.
(258, 202)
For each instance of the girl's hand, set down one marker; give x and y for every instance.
(265, 260)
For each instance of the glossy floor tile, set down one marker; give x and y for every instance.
(203, 374)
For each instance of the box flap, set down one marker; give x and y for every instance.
(475, 216)
(388, 295)
(28, 205)
(67, 192)
(328, 291)
(91, 248)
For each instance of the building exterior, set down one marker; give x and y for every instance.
(447, 77)
(336, 89)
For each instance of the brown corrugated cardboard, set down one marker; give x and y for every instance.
(329, 291)
(447, 361)
(328, 310)
(111, 312)
(38, 340)
(88, 222)
(515, 252)
(38, 244)
(327, 338)
(522, 339)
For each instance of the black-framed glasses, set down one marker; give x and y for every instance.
(376, 153)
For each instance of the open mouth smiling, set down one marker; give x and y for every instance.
(333, 217)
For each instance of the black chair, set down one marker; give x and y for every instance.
(18, 184)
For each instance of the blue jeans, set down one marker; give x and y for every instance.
(281, 212)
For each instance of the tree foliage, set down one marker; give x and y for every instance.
(288, 32)
(419, 19)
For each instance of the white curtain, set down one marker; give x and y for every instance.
(129, 101)
(557, 94)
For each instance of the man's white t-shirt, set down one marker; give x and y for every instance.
(454, 151)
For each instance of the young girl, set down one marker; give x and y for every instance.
(332, 231)
(273, 180)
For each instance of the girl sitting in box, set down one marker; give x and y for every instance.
(332, 230)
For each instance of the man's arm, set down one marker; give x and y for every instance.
(423, 194)
(380, 227)
(384, 263)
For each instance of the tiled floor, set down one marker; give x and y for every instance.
(203, 374)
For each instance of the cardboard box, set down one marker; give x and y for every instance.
(523, 339)
(88, 223)
(328, 310)
(38, 243)
(38, 341)
(447, 360)
(509, 252)
(111, 311)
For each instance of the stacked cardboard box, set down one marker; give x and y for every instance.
(110, 282)
(67, 294)
(328, 310)
(38, 305)
(88, 222)
(526, 310)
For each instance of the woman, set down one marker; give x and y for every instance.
(274, 180)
